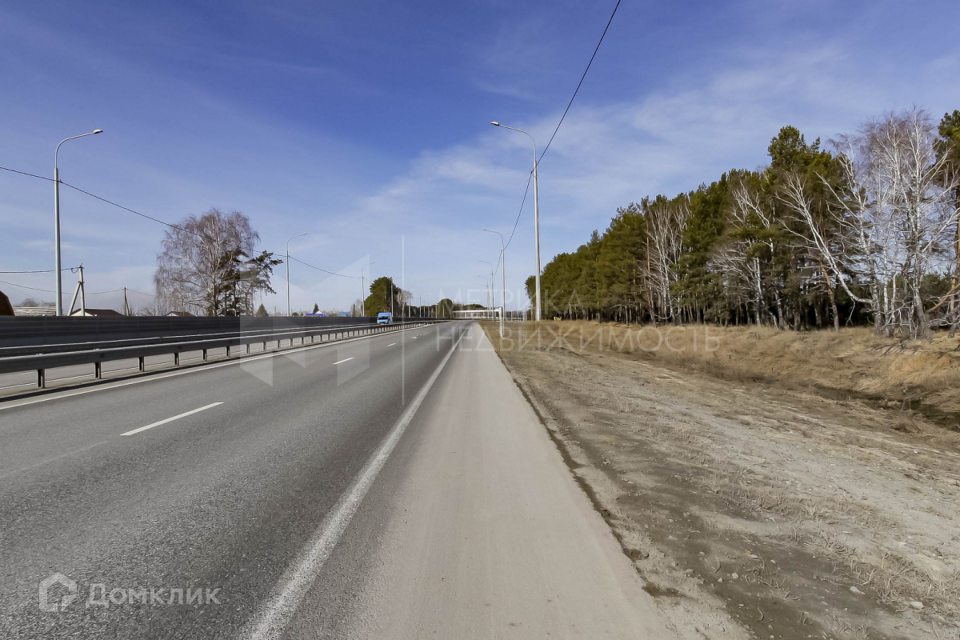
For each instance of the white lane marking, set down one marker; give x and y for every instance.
(286, 596)
(344, 360)
(182, 415)
(163, 376)
(389, 345)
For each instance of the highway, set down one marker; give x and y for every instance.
(394, 486)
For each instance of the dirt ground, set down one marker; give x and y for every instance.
(752, 510)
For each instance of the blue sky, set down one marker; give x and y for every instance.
(365, 123)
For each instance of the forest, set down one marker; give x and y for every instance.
(860, 231)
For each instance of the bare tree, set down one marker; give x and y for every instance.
(749, 249)
(894, 216)
(206, 265)
(818, 240)
(666, 222)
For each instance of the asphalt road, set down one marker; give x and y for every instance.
(387, 487)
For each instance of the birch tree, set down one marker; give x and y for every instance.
(206, 265)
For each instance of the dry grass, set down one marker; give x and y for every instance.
(855, 362)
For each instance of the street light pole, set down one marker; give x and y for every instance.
(288, 268)
(490, 297)
(56, 214)
(503, 275)
(486, 284)
(363, 300)
(536, 208)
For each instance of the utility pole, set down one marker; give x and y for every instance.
(126, 304)
(503, 275)
(79, 291)
(363, 291)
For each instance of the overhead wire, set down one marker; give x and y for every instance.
(579, 84)
(21, 286)
(562, 117)
(134, 212)
(333, 273)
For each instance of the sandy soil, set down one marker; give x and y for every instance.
(747, 507)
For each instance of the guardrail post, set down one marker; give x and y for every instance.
(228, 351)
(141, 364)
(41, 379)
(204, 355)
(97, 370)
(176, 359)
(248, 347)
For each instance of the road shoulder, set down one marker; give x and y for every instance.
(489, 535)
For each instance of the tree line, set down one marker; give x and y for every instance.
(863, 232)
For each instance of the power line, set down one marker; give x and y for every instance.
(562, 117)
(516, 222)
(89, 293)
(24, 173)
(522, 202)
(102, 199)
(20, 286)
(544, 152)
(324, 270)
(128, 209)
(41, 270)
(142, 215)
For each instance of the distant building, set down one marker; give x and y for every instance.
(180, 314)
(35, 311)
(98, 313)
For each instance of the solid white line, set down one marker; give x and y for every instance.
(162, 376)
(389, 345)
(271, 620)
(344, 360)
(182, 415)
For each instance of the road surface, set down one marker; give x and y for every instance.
(387, 487)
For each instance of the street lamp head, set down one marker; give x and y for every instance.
(96, 131)
(495, 123)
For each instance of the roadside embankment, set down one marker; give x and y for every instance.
(855, 364)
(746, 486)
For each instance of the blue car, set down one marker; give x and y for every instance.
(384, 318)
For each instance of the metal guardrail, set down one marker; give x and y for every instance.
(98, 354)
